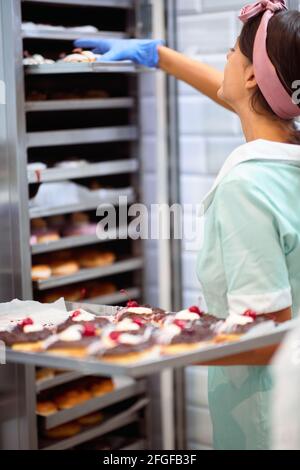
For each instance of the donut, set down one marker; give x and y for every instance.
(93, 259)
(57, 222)
(45, 408)
(74, 341)
(38, 225)
(72, 398)
(182, 336)
(64, 268)
(64, 431)
(102, 387)
(40, 272)
(48, 237)
(91, 420)
(44, 374)
(98, 289)
(70, 294)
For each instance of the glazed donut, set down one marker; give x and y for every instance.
(38, 225)
(91, 420)
(44, 374)
(70, 294)
(64, 268)
(72, 398)
(94, 259)
(102, 387)
(97, 289)
(48, 237)
(40, 272)
(45, 408)
(64, 431)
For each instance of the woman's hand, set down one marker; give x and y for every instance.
(141, 51)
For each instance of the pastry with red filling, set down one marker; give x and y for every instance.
(82, 317)
(182, 336)
(26, 336)
(145, 313)
(126, 347)
(74, 341)
(234, 326)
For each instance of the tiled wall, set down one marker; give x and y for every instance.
(208, 133)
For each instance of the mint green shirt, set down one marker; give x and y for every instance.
(250, 258)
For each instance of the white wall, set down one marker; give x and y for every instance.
(208, 133)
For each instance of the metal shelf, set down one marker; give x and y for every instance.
(115, 299)
(117, 422)
(138, 445)
(115, 167)
(73, 242)
(82, 136)
(58, 379)
(67, 35)
(37, 212)
(125, 388)
(89, 3)
(89, 274)
(78, 104)
(125, 66)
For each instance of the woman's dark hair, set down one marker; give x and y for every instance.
(283, 46)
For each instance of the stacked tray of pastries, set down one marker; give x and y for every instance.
(133, 333)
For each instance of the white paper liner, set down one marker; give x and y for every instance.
(12, 312)
(51, 195)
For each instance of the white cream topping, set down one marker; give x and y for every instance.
(233, 320)
(187, 315)
(126, 338)
(84, 316)
(168, 332)
(140, 310)
(127, 325)
(73, 333)
(33, 328)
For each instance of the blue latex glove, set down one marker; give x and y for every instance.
(140, 51)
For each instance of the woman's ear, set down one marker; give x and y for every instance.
(250, 80)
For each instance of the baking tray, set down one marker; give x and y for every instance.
(93, 67)
(125, 388)
(122, 419)
(152, 365)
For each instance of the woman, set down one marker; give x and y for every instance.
(250, 256)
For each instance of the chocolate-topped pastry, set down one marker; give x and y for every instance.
(145, 313)
(82, 317)
(26, 335)
(74, 340)
(194, 314)
(236, 325)
(134, 326)
(127, 347)
(180, 336)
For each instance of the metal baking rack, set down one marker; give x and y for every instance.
(124, 388)
(84, 104)
(89, 274)
(24, 139)
(85, 67)
(120, 420)
(82, 136)
(36, 212)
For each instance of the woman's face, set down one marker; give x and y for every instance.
(238, 79)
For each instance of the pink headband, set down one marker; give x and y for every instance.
(265, 73)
